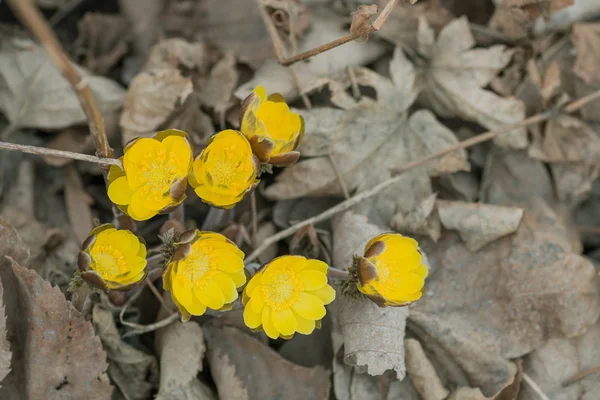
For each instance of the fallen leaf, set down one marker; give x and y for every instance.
(456, 75)
(103, 41)
(460, 185)
(581, 10)
(535, 8)
(133, 371)
(191, 119)
(183, 55)
(524, 289)
(5, 353)
(360, 20)
(265, 375)
(422, 373)
(467, 393)
(36, 95)
(478, 224)
(70, 139)
(421, 220)
(291, 81)
(151, 97)
(264, 231)
(573, 181)
(78, 203)
(360, 318)
(68, 361)
(181, 350)
(310, 350)
(558, 360)
(218, 90)
(587, 215)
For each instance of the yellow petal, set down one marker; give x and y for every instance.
(211, 197)
(141, 250)
(140, 151)
(254, 283)
(182, 292)
(406, 283)
(257, 302)
(267, 323)
(317, 265)
(252, 319)
(284, 321)
(104, 237)
(326, 294)
(119, 191)
(305, 326)
(229, 261)
(421, 270)
(137, 209)
(312, 279)
(406, 298)
(239, 278)
(261, 92)
(227, 286)
(309, 306)
(180, 152)
(211, 295)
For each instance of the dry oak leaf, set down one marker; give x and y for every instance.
(33, 92)
(260, 374)
(478, 224)
(484, 308)
(422, 373)
(151, 98)
(130, 369)
(456, 75)
(586, 39)
(535, 8)
(558, 360)
(55, 353)
(373, 337)
(181, 350)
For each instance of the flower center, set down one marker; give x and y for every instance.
(197, 268)
(282, 291)
(107, 261)
(160, 176)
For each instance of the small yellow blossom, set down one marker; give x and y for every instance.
(391, 273)
(225, 171)
(273, 130)
(154, 177)
(205, 272)
(288, 295)
(112, 259)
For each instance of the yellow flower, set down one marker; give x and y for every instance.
(391, 273)
(288, 295)
(273, 130)
(112, 259)
(226, 170)
(205, 272)
(154, 177)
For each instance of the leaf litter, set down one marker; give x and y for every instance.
(509, 229)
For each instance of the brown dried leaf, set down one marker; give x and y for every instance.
(360, 19)
(144, 17)
(524, 289)
(181, 350)
(478, 224)
(558, 360)
(360, 318)
(151, 97)
(421, 220)
(422, 373)
(535, 8)
(264, 231)
(456, 75)
(586, 39)
(55, 345)
(5, 353)
(552, 83)
(181, 54)
(265, 375)
(38, 96)
(78, 203)
(218, 90)
(573, 181)
(467, 393)
(132, 371)
(291, 81)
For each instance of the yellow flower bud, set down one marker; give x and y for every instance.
(286, 296)
(205, 272)
(154, 177)
(274, 132)
(112, 259)
(391, 273)
(225, 171)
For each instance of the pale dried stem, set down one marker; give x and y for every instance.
(141, 329)
(280, 48)
(42, 151)
(581, 375)
(29, 15)
(349, 203)
(535, 387)
(337, 273)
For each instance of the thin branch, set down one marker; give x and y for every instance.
(581, 375)
(141, 329)
(337, 273)
(280, 49)
(535, 387)
(30, 16)
(347, 204)
(42, 151)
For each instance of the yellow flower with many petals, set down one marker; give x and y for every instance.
(112, 259)
(392, 272)
(288, 295)
(205, 272)
(273, 130)
(154, 177)
(226, 170)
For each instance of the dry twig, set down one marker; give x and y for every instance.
(535, 387)
(280, 49)
(581, 375)
(484, 137)
(42, 151)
